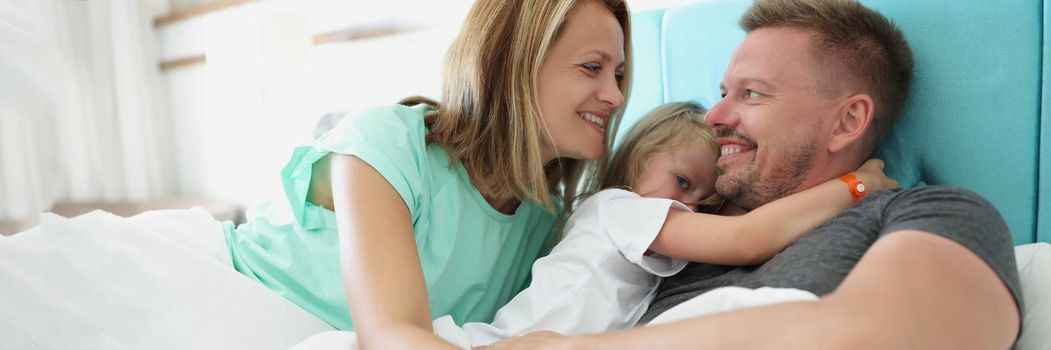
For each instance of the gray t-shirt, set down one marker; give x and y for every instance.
(819, 260)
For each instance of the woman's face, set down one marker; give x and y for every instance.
(577, 85)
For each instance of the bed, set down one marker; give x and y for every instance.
(162, 280)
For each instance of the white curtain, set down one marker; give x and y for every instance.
(82, 114)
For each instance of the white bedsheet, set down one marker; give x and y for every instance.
(715, 301)
(160, 280)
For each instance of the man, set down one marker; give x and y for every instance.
(806, 97)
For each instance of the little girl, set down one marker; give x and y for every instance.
(623, 239)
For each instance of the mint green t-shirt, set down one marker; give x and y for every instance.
(474, 258)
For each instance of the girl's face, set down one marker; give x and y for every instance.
(686, 174)
(577, 83)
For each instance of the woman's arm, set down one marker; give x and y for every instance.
(382, 276)
(756, 236)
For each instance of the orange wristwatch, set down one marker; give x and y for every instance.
(857, 188)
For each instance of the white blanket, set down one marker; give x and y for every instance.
(714, 301)
(163, 280)
(160, 280)
(728, 299)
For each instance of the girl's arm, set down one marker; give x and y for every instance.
(756, 236)
(382, 276)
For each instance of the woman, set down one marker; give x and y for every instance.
(440, 208)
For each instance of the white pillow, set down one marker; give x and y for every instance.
(1034, 269)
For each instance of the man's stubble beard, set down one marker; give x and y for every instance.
(748, 190)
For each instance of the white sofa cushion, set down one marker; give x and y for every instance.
(1034, 269)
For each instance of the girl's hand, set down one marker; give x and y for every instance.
(871, 174)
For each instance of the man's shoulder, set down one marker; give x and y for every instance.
(930, 206)
(880, 202)
(929, 193)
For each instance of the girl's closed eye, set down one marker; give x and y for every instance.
(683, 182)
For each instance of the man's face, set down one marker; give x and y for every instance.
(772, 120)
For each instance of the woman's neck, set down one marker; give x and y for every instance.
(504, 204)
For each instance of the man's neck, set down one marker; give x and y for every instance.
(831, 167)
(730, 209)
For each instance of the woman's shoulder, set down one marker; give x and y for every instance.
(385, 127)
(386, 119)
(398, 112)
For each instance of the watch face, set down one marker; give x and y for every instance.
(860, 188)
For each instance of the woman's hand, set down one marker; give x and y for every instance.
(871, 174)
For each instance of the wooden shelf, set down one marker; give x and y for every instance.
(182, 62)
(196, 10)
(349, 34)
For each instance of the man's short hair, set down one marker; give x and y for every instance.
(856, 43)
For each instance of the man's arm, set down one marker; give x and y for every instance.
(912, 289)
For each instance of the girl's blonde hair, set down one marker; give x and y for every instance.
(667, 128)
(489, 115)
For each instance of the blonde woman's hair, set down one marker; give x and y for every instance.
(489, 115)
(667, 128)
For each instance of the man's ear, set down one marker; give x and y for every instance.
(854, 118)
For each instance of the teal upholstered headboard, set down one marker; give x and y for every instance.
(974, 115)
